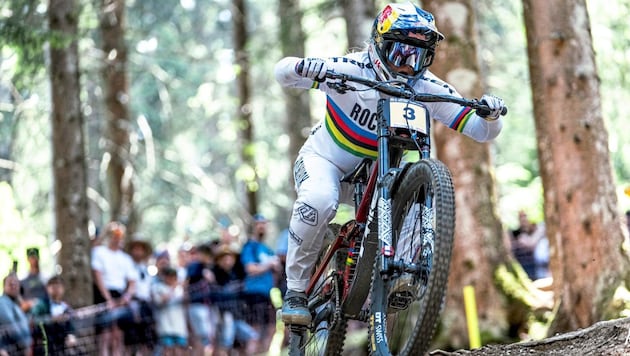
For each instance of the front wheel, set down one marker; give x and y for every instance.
(405, 308)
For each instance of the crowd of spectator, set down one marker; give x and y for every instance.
(212, 299)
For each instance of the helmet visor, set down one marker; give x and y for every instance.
(401, 54)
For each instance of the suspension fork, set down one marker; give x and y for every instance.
(386, 176)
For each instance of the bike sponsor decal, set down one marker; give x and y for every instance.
(428, 234)
(372, 337)
(308, 214)
(293, 236)
(299, 172)
(428, 238)
(370, 219)
(379, 336)
(385, 220)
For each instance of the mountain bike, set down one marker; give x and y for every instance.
(389, 265)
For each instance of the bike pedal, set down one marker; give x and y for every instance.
(402, 292)
(400, 301)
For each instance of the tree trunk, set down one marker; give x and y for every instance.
(359, 16)
(581, 212)
(116, 84)
(297, 102)
(244, 113)
(69, 166)
(479, 247)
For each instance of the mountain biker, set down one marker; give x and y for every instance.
(401, 48)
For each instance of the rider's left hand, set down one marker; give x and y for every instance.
(495, 104)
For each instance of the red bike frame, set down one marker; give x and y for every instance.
(345, 237)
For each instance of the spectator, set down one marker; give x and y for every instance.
(115, 280)
(541, 254)
(202, 321)
(162, 259)
(170, 314)
(524, 241)
(228, 237)
(227, 296)
(15, 335)
(260, 265)
(32, 287)
(53, 329)
(139, 328)
(185, 254)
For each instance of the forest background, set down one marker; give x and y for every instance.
(189, 162)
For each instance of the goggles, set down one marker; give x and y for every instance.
(399, 54)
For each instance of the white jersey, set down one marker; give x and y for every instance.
(348, 132)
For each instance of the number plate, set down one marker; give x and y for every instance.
(407, 115)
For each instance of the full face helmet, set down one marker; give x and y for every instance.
(403, 36)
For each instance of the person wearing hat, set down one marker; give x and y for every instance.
(229, 275)
(32, 287)
(260, 265)
(139, 324)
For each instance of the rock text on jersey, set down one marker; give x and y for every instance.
(363, 117)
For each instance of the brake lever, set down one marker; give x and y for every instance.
(340, 87)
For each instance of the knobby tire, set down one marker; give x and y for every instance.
(410, 331)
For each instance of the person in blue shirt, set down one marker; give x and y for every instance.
(260, 264)
(15, 334)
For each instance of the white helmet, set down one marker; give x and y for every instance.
(403, 34)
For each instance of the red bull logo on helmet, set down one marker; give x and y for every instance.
(386, 19)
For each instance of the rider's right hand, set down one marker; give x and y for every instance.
(313, 68)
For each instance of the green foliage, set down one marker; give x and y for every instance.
(611, 39)
(22, 29)
(508, 76)
(619, 305)
(16, 234)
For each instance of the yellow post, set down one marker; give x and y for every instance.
(470, 304)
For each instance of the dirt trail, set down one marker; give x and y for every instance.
(610, 338)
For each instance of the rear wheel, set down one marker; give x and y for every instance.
(326, 335)
(405, 308)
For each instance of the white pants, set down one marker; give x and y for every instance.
(319, 193)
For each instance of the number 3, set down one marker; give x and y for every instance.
(410, 113)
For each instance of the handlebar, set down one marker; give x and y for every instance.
(401, 90)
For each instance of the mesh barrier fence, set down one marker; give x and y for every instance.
(227, 324)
